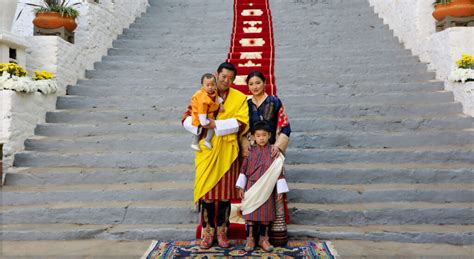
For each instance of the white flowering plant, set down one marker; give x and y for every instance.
(464, 71)
(14, 77)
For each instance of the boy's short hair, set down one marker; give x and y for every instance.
(261, 125)
(207, 76)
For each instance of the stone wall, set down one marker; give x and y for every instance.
(98, 26)
(412, 22)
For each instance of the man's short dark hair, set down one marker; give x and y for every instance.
(227, 66)
(207, 76)
(261, 125)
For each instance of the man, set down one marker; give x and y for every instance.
(217, 169)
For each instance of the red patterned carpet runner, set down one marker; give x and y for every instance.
(251, 44)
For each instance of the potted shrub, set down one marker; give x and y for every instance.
(14, 77)
(464, 71)
(53, 14)
(454, 8)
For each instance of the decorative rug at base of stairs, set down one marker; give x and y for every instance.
(251, 44)
(190, 249)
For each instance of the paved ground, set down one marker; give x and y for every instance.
(135, 249)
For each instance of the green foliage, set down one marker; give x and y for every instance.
(64, 7)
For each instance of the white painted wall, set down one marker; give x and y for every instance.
(413, 24)
(98, 26)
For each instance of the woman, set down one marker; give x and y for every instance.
(263, 107)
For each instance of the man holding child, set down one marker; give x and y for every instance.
(217, 169)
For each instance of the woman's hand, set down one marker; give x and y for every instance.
(280, 196)
(275, 151)
(241, 194)
(245, 144)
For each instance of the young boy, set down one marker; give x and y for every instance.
(205, 102)
(258, 166)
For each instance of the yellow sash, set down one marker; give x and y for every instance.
(212, 164)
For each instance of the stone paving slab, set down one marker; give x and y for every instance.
(135, 249)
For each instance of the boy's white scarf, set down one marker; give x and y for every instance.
(259, 193)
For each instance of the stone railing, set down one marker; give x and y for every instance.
(98, 26)
(412, 22)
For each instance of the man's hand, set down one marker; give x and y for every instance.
(211, 125)
(241, 194)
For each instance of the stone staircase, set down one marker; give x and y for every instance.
(379, 150)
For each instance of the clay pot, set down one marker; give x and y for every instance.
(456, 8)
(53, 20)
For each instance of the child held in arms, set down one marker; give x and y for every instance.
(256, 183)
(205, 102)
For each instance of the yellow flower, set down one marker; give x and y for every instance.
(13, 69)
(467, 62)
(43, 75)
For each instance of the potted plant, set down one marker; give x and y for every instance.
(53, 14)
(464, 71)
(454, 8)
(14, 77)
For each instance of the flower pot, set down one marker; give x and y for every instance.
(7, 14)
(53, 20)
(456, 8)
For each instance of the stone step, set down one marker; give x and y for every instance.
(180, 140)
(375, 124)
(439, 154)
(220, 46)
(101, 88)
(164, 51)
(126, 212)
(348, 11)
(389, 213)
(320, 72)
(99, 232)
(136, 159)
(449, 234)
(317, 22)
(144, 69)
(322, 173)
(355, 214)
(356, 88)
(443, 234)
(134, 60)
(183, 191)
(367, 109)
(328, 140)
(295, 111)
(163, 77)
(319, 28)
(390, 124)
(134, 102)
